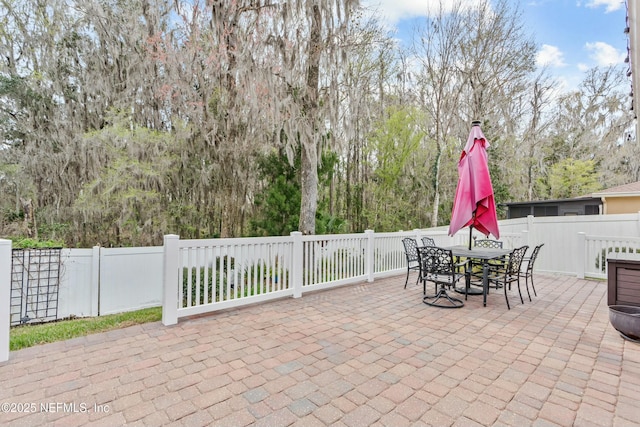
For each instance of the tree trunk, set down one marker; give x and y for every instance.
(436, 189)
(309, 153)
(30, 228)
(309, 189)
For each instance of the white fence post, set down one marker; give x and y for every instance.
(297, 260)
(170, 285)
(525, 238)
(369, 266)
(95, 281)
(581, 253)
(5, 298)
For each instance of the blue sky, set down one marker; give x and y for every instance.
(572, 35)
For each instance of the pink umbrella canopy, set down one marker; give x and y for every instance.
(474, 205)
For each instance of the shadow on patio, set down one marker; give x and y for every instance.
(360, 355)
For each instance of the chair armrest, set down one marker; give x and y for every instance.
(497, 267)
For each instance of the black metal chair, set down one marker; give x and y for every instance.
(428, 241)
(508, 272)
(411, 252)
(487, 243)
(476, 267)
(437, 266)
(527, 273)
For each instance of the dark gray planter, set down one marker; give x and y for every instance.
(626, 320)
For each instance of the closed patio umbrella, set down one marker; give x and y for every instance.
(474, 205)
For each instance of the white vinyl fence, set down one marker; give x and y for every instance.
(213, 274)
(189, 277)
(102, 281)
(571, 243)
(5, 297)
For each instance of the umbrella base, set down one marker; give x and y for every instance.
(443, 300)
(471, 290)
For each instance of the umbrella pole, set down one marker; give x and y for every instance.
(470, 232)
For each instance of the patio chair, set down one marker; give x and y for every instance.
(476, 266)
(487, 243)
(527, 273)
(509, 272)
(411, 252)
(437, 266)
(428, 241)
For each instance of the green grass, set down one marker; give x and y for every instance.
(30, 335)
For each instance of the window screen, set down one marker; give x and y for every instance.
(592, 210)
(545, 211)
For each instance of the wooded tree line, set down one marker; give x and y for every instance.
(124, 120)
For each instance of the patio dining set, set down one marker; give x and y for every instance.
(487, 265)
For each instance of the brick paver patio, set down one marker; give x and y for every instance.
(362, 355)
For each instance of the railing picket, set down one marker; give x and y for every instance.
(216, 290)
(206, 273)
(189, 277)
(305, 264)
(270, 267)
(279, 264)
(258, 270)
(261, 281)
(199, 273)
(181, 289)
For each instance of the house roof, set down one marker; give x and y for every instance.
(631, 189)
(626, 190)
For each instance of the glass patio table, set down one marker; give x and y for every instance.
(483, 254)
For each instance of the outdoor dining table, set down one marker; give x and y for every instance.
(483, 254)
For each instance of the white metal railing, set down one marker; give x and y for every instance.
(207, 275)
(332, 260)
(597, 248)
(212, 274)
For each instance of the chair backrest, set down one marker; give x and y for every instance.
(532, 258)
(487, 243)
(410, 249)
(435, 260)
(428, 241)
(515, 260)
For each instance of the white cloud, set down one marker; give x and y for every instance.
(612, 5)
(550, 56)
(393, 11)
(604, 54)
(583, 67)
